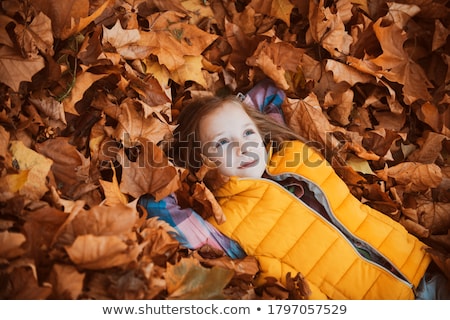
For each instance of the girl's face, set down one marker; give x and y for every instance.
(230, 138)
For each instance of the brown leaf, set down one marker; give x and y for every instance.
(161, 245)
(15, 69)
(328, 29)
(396, 65)
(276, 59)
(37, 36)
(440, 35)
(150, 173)
(247, 266)
(134, 125)
(49, 107)
(172, 39)
(11, 244)
(206, 204)
(101, 252)
(189, 280)
(67, 282)
(442, 259)
(83, 81)
(417, 176)
(20, 282)
(40, 228)
(117, 221)
(430, 147)
(64, 15)
(344, 72)
(280, 9)
(307, 118)
(123, 40)
(433, 215)
(70, 168)
(415, 228)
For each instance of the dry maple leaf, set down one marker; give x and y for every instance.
(170, 39)
(11, 244)
(397, 66)
(101, 252)
(35, 168)
(276, 59)
(280, 9)
(150, 173)
(14, 68)
(328, 29)
(67, 282)
(416, 176)
(189, 280)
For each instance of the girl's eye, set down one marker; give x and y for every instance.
(248, 132)
(221, 142)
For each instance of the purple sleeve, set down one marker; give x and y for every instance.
(193, 231)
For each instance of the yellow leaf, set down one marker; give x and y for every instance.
(191, 70)
(359, 165)
(15, 182)
(38, 167)
(112, 192)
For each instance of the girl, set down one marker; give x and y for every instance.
(286, 206)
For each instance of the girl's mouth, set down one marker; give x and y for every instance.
(247, 164)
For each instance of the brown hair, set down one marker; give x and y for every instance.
(185, 149)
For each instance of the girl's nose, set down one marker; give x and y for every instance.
(241, 148)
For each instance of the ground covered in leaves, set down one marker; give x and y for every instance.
(89, 89)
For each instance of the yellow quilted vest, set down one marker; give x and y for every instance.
(285, 235)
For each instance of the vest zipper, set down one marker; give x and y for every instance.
(339, 227)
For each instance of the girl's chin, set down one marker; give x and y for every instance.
(251, 172)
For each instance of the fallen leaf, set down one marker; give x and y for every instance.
(11, 244)
(113, 196)
(188, 280)
(67, 282)
(417, 176)
(15, 69)
(280, 9)
(101, 252)
(37, 167)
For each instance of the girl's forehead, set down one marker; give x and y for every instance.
(228, 117)
(228, 107)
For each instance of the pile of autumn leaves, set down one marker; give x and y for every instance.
(89, 100)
